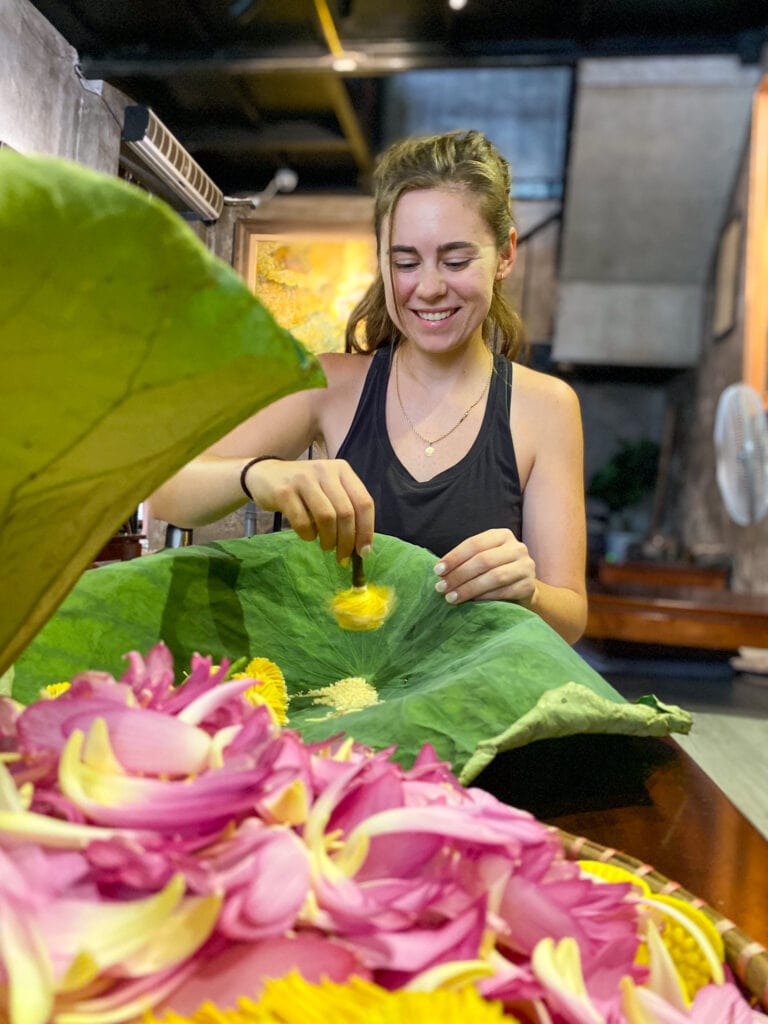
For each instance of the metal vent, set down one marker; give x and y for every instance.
(146, 135)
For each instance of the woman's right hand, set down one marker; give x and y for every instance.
(322, 498)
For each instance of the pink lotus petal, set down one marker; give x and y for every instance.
(255, 735)
(122, 864)
(151, 677)
(206, 803)
(44, 728)
(47, 800)
(242, 968)
(28, 973)
(376, 787)
(124, 1000)
(32, 876)
(390, 905)
(723, 1004)
(416, 949)
(196, 805)
(212, 698)
(468, 827)
(510, 981)
(9, 713)
(713, 1004)
(201, 679)
(267, 885)
(143, 741)
(100, 686)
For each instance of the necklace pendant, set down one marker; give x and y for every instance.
(429, 450)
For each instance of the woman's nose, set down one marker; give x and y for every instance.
(431, 283)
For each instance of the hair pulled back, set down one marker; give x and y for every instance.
(458, 159)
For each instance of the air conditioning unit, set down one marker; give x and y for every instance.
(156, 146)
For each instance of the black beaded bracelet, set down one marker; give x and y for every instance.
(247, 466)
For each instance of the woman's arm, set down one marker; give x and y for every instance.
(320, 497)
(543, 570)
(554, 518)
(208, 487)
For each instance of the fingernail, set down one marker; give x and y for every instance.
(440, 568)
(365, 550)
(452, 598)
(441, 586)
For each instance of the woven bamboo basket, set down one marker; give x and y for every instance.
(747, 959)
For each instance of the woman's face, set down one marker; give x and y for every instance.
(444, 263)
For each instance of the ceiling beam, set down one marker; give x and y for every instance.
(343, 107)
(375, 59)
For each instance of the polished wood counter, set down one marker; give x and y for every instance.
(647, 798)
(704, 617)
(662, 574)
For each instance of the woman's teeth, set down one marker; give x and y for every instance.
(434, 316)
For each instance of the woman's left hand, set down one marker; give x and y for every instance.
(491, 566)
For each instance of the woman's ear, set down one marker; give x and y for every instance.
(507, 257)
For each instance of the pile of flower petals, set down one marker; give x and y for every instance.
(161, 845)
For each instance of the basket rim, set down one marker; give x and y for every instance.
(747, 958)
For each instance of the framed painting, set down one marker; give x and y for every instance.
(309, 260)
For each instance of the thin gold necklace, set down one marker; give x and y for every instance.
(430, 449)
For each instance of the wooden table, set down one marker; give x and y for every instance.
(647, 798)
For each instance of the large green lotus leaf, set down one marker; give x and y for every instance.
(472, 680)
(126, 349)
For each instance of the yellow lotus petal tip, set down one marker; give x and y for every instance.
(53, 690)
(361, 608)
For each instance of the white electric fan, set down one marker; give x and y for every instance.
(741, 445)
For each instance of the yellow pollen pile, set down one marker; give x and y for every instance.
(361, 608)
(351, 694)
(269, 690)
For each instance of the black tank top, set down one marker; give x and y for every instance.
(481, 492)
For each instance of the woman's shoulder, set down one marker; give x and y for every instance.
(543, 393)
(344, 368)
(537, 382)
(345, 374)
(336, 403)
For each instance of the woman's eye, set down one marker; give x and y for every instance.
(457, 264)
(400, 265)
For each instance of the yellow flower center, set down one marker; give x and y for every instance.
(270, 688)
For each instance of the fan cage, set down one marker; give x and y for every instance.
(741, 442)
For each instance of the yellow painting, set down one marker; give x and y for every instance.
(311, 285)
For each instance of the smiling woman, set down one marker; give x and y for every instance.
(461, 450)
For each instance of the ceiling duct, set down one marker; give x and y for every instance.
(146, 136)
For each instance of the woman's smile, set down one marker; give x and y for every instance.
(434, 316)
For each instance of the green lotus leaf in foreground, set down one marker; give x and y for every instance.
(126, 349)
(473, 680)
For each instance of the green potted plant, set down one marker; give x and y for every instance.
(621, 484)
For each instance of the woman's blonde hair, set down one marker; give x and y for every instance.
(456, 159)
